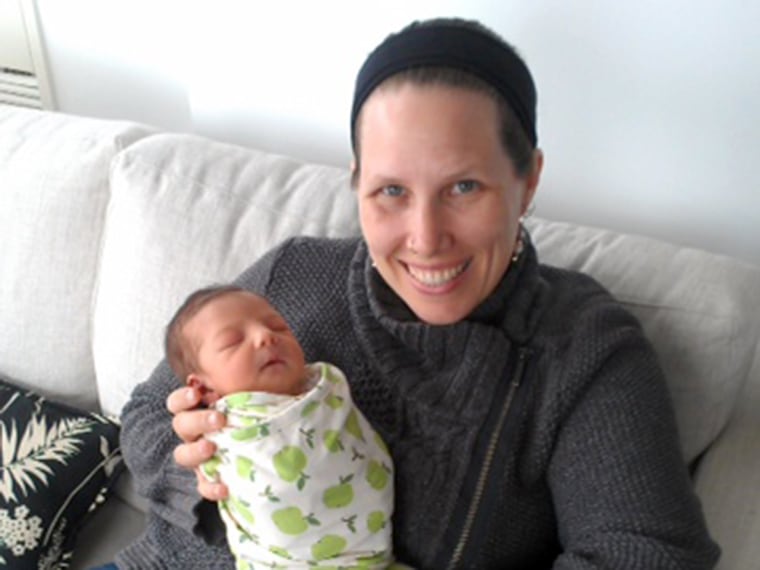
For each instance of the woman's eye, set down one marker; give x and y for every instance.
(465, 187)
(392, 190)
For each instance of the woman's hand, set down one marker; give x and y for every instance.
(191, 425)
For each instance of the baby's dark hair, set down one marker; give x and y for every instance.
(177, 347)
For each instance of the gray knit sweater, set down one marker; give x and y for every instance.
(536, 434)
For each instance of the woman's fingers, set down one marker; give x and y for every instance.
(209, 490)
(192, 454)
(183, 399)
(191, 425)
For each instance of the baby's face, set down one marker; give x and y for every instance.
(242, 343)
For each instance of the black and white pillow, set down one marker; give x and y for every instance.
(57, 465)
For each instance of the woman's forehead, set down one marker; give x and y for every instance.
(444, 124)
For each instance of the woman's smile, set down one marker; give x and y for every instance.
(436, 279)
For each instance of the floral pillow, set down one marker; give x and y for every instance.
(57, 465)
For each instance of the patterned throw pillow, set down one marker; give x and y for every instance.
(57, 465)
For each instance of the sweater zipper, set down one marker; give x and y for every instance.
(488, 460)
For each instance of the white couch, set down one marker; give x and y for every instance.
(107, 225)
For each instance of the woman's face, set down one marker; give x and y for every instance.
(439, 199)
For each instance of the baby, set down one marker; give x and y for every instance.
(310, 482)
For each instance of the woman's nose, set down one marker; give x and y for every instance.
(426, 230)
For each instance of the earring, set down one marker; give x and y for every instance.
(519, 244)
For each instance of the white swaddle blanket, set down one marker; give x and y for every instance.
(310, 482)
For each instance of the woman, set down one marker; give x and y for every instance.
(526, 414)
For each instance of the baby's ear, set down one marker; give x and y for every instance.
(208, 396)
(194, 381)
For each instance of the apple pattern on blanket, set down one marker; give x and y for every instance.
(310, 481)
(290, 463)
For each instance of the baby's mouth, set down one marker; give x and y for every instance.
(271, 357)
(272, 362)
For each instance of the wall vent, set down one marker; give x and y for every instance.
(19, 88)
(24, 79)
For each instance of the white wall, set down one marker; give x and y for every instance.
(649, 111)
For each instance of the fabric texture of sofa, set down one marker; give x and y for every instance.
(107, 225)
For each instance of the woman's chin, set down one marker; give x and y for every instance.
(438, 311)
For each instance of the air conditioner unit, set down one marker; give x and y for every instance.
(24, 78)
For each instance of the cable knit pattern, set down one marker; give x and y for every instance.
(538, 433)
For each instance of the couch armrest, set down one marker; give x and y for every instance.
(728, 480)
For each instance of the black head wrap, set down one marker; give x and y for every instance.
(449, 43)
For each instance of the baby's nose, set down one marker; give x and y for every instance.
(265, 337)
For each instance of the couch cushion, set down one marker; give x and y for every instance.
(697, 308)
(53, 194)
(728, 481)
(186, 212)
(58, 465)
(113, 526)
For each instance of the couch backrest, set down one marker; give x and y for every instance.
(185, 212)
(53, 196)
(698, 309)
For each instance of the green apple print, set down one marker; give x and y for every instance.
(329, 546)
(291, 520)
(332, 441)
(339, 495)
(279, 551)
(377, 475)
(308, 435)
(289, 463)
(269, 494)
(244, 468)
(381, 444)
(236, 401)
(309, 409)
(329, 375)
(250, 432)
(350, 522)
(367, 561)
(352, 425)
(211, 467)
(334, 401)
(375, 521)
(242, 508)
